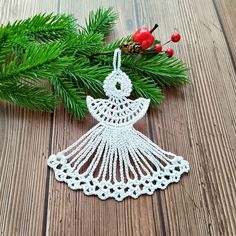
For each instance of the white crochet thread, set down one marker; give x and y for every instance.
(113, 159)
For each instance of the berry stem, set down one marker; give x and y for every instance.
(154, 27)
(111, 52)
(166, 42)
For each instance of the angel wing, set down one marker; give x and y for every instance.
(117, 111)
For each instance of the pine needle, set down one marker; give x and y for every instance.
(73, 99)
(163, 70)
(32, 97)
(50, 47)
(36, 62)
(43, 28)
(101, 21)
(117, 43)
(89, 77)
(147, 88)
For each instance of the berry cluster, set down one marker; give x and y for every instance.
(145, 38)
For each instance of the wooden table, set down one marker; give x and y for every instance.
(197, 121)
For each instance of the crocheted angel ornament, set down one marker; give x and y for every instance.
(114, 160)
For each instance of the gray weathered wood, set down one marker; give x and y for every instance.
(196, 121)
(77, 213)
(24, 145)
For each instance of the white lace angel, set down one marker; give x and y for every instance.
(114, 160)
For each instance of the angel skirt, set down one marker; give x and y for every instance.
(116, 162)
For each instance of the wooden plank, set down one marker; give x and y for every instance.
(195, 121)
(71, 212)
(24, 143)
(226, 14)
(198, 121)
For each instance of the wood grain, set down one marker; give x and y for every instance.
(226, 14)
(77, 213)
(198, 121)
(72, 213)
(24, 144)
(203, 133)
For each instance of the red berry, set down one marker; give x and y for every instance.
(175, 37)
(139, 34)
(143, 37)
(169, 52)
(158, 47)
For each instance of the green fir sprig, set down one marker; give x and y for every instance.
(48, 59)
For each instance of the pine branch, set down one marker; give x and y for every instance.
(49, 47)
(147, 88)
(163, 70)
(36, 62)
(5, 48)
(43, 28)
(88, 77)
(117, 43)
(101, 21)
(72, 97)
(32, 97)
(83, 44)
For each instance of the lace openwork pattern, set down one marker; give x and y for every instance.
(113, 159)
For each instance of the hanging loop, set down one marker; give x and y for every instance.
(117, 59)
(117, 84)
